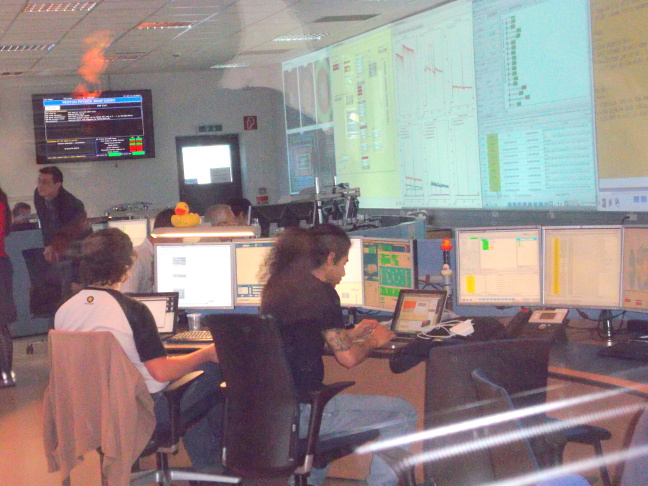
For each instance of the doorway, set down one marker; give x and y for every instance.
(209, 170)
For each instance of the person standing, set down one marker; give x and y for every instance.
(63, 217)
(7, 305)
(303, 269)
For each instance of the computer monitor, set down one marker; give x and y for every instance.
(582, 266)
(164, 307)
(201, 273)
(351, 288)
(634, 291)
(498, 266)
(137, 229)
(388, 266)
(250, 257)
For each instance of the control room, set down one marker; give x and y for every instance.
(458, 188)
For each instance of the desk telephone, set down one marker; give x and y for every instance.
(539, 324)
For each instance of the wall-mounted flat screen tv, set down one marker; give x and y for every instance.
(115, 125)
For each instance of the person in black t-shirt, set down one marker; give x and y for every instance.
(302, 271)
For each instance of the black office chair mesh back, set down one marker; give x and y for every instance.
(451, 397)
(259, 441)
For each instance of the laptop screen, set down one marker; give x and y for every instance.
(416, 309)
(164, 307)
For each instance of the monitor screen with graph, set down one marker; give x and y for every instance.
(498, 266)
(201, 273)
(634, 290)
(582, 266)
(389, 265)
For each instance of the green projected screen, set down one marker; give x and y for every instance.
(388, 267)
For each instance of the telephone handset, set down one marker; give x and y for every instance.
(516, 324)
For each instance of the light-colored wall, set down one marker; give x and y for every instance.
(181, 102)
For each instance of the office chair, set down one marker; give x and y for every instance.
(97, 400)
(635, 469)
(511, 458)
(521, 368)
(261, 436)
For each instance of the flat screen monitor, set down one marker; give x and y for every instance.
(351, 288)
(115, 125)
(250, 257)
(582, 266)
(164, 307)
(389, 265)
(201, 273)
(137, 229)
(498, 266)
(634, 291)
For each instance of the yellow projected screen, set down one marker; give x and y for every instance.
(364, 118)
(582, 266)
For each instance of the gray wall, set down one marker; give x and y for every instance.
(181, 102)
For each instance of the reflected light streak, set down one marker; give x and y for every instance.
(93, 64)
(572, 468)
(490, 420)
(520, 434)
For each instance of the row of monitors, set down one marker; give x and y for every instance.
(224, 275)
(568, 266)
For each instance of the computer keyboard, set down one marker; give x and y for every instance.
(191, 337)
(631, 349)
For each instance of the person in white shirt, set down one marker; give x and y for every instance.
(141, 278)
(105, 258)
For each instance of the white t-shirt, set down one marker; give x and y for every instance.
(130, 321)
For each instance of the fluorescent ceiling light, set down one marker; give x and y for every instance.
(60, 7)
(300, 37)
(230, 66)
(26, 47)
(204, 232)
(164, 25)
(125, 57)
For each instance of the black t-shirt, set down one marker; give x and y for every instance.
(304, 308)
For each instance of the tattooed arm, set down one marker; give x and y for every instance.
(349, 353)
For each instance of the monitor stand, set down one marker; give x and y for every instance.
(606, 330)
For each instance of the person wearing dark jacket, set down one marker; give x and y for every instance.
(63, 217)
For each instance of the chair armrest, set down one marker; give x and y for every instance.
(318, 400)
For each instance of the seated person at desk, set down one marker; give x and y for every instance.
(140, 278)
(220, 215)
(105, 259)
(21, 212)
(240, 207)
(303, 269)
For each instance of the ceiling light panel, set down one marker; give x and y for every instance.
(26, 47)
(59, 7)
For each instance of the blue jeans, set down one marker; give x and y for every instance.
(393, 417)
(203, 440)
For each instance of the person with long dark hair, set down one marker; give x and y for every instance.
(302, 271)
(7, 305)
